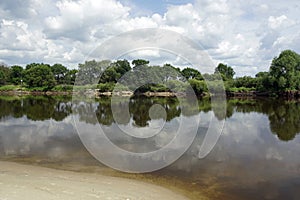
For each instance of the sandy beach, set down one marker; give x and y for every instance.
(22, 182)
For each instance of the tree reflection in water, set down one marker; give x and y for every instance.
(284, 118)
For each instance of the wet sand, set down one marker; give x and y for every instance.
(22, 182)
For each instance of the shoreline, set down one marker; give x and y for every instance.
(21, 181)
(97, 94)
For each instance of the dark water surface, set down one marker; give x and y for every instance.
(257, 156)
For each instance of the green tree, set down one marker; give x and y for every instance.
(91, 71)
(70, 77)
(245, 81)
(199, 87)
(32, 65)
(40, 76)
(170, 72)
(226, 71)
(122, 66)
(284, 70)
(4, 75)
(139, 62)
(2, 78)
(59, 71)
(110, 75)
(16, 74)
(115, 71)
(264, 82)
(190, 73)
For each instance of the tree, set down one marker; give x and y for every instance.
(190, 73)
(2, 78)
(4, 75)
(40, 75)
(115, 71)
(245, 81)
(199, 87)
(110, 75)
(284, 69)
(226, 71)
(139, 62)
(169, 72)
(264, 82)
(70, 77)
(16, 74)
(91, 71)
(59, 71)
(122, 66)
(32, 65)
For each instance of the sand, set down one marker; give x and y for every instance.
(18, 181)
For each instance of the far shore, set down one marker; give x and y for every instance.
(22, 182)
(96, 93)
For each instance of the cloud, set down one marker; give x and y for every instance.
(245, 35)
(78, 19)
(18, 8)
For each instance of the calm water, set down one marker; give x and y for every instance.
(257, 156)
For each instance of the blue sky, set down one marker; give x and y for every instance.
(243, 34)
(151, 7)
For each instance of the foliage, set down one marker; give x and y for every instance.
(119, 88)
(226, 71)
(106, 87)
(241, 89)
(40, 76)
(59, 71)
(190, 73)
(283, 75)
(177, 86)
(9, 87)
(245, 81)
(285, 69)
(17, 73)
(61, 88)
(199, 87)
(4, 75)
(139, 62)
(91, 71)
(70, 77)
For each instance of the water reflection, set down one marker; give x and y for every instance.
(257, 157)
(281, 114)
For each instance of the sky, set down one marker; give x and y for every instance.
(246, 35)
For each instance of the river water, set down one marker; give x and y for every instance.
(256, 157)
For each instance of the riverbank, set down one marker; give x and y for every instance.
(19, 181)
(97, 93)
(90, 92)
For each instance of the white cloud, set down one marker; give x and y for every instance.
(278, 22)
(76, 19)
(145, 53)
(246, 35)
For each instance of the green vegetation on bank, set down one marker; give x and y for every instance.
(120, 75)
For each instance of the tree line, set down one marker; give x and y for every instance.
(283, 75)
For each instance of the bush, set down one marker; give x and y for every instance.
(106, 87)
(241, 89)
(119, 88)
(159, 88)
(38, 89)
(62, 88)
(9, 88)
(199, 87)
(177, 86)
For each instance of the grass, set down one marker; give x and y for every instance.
(9, 87)
(241, 89)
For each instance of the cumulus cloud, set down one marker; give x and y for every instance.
(83, 16)
(245, 35)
